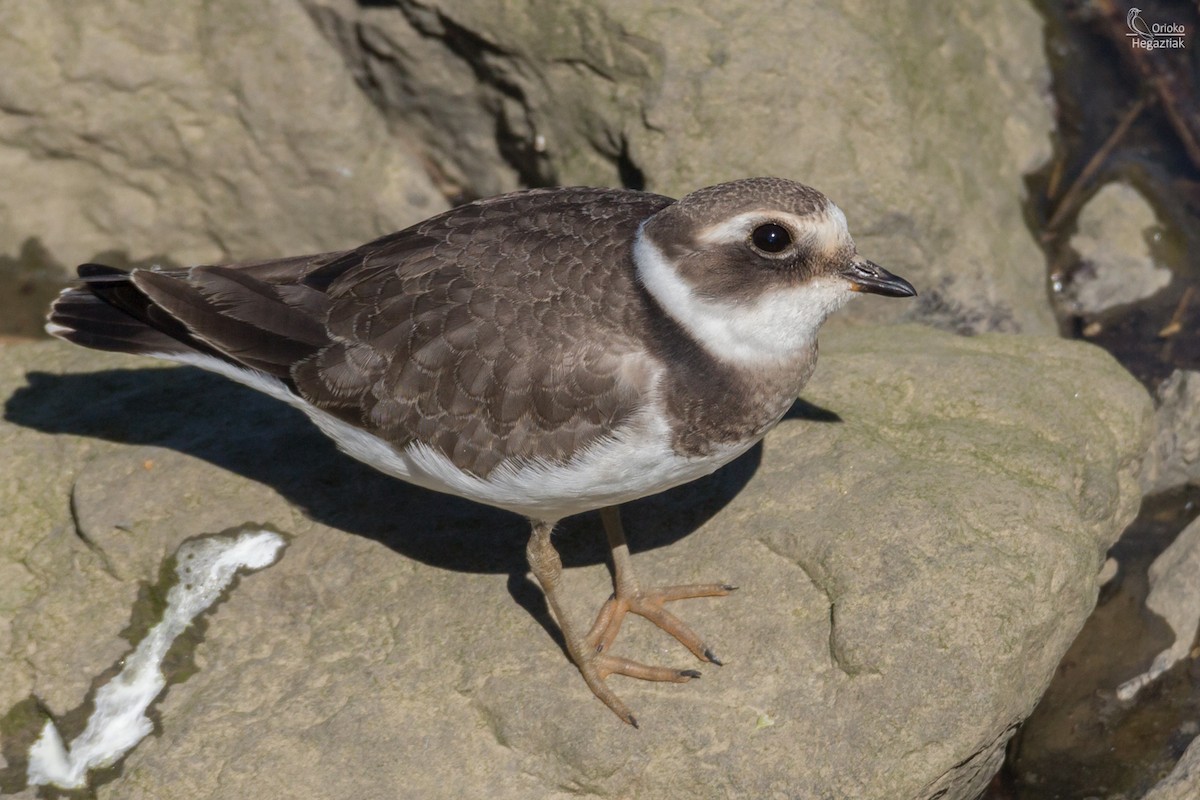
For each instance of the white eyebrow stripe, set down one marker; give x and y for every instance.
(828, 230)
(736, 229)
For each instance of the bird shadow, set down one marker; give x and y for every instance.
(235, 428)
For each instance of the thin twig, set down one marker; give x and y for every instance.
(1176, 324)
(1056, 174)
(1070, 199)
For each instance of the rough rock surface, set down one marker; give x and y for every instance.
(1113, 242)
(1174, 596)
(1175, 454)
(918, 117)
(916, 548)
(189, 133)
(148, 132)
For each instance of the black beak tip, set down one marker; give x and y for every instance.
(898, 287)
(867, 276)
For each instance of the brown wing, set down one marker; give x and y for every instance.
(508, 329)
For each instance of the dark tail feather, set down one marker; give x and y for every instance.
(108, 313)
(235, 324)
(211, 310)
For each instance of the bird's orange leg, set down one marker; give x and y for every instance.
(589, 652)
(648, 603)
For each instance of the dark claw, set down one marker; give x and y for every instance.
(689, 673)
(711, 656)
(632, 721)
(729, 587)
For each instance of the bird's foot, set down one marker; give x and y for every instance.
(650, 604)
(595, 662)
(596, 667)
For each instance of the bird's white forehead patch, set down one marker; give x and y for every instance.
(778, 325)
(826, 229)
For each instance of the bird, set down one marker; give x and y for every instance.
(549, 351)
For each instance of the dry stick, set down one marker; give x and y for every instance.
(1175, 326)
(1056, 175)
(1176, 323)
(1070, 200)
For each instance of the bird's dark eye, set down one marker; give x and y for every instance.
(771, 238)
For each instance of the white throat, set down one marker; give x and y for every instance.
(778, 326)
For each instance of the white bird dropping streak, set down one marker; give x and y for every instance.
(205, 567)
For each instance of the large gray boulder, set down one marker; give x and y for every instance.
(152, 131)
(919, 118)
(189, 133)
(916, 547)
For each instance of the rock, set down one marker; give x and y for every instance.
(1175, 596)
(1112, 240)
(1175, 453)
(143, 133)
(848, 97)
(1184, 781)
(1108, 571)
(152, 132)
(916, 547)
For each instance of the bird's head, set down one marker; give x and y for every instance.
(752, 268)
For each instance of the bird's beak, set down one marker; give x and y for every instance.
(866, 276)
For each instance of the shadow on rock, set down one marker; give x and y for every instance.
(247, 433)
(802, 409)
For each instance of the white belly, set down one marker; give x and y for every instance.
(636, 462)
(624, 467)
